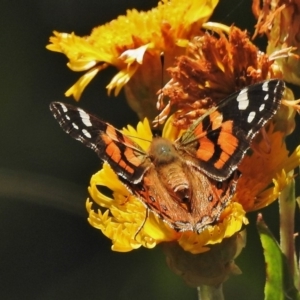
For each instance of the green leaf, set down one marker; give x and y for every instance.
(279, 282)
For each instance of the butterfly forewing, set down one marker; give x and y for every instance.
(218, 141)
(125, 157)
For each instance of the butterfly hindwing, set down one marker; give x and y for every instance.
(124, 156)
(207, 200)
(217, 141)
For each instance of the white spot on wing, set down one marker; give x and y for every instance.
(68, 118)
(85, 118)
(64, 108)
(86, 133)
(262, 107)
(251, 116)
(250, 133)
(265, 86)
(75, 126)
(266, 97)
(243, 99)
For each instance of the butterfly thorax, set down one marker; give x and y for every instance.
(162, 151)
(171, 170)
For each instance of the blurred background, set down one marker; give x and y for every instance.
(48, 250)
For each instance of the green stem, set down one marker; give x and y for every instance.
(287, 205)
(206, 292)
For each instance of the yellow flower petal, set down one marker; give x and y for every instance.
(134, 55)
(142, 135)
(80, 85)
(121, 78)
(79, 51)
(231, 221)
(272, 193)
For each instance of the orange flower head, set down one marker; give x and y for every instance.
(214, 67)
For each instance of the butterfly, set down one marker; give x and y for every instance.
(189, 182)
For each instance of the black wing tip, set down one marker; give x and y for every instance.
(52, 106)
(279, 86)
(279, 83)
(275, 80)
(55, 106)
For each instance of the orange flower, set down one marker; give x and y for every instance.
(265, 171)
(213, 68)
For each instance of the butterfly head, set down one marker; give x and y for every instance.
(162, 151)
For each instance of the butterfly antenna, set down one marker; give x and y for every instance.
(232, 10)
(156, 121)
(139, 138)
(162, 63)
(143, 224)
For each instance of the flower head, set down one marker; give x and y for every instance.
(128, 223)
(214, 67)
(134, 44)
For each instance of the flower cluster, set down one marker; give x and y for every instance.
(204, 66)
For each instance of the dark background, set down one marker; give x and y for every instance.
(48, 250)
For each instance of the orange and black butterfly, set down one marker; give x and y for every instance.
(189, 182)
